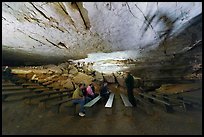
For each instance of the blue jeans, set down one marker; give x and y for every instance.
(81, 102)
(87, 99)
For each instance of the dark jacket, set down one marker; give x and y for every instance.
(104, 93)
(104, 90)
(129, 81)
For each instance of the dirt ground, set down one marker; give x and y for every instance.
(19, 118)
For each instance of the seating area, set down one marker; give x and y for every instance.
(125, 100)
(168, 107)
(128, 110)
(185, 102)
(50, 92)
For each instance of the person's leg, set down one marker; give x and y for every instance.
(106, 97)
(95, 95)
(131, 98)
(75, 101)
(82, 102)
(92, 97)
(87, 99)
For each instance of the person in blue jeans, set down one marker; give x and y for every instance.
(78, 98)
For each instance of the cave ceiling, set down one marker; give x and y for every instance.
(58, 31)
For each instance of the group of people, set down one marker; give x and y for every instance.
(83, 95)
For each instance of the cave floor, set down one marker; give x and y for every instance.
(19, 118)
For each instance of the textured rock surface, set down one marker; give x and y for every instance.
(82, 78)
(109, 78)
(67, 84)
(57, 31)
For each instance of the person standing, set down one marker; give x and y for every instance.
(129, 81)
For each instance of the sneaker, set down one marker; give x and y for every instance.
(81, 114)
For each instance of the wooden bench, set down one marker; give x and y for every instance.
(48, 93)
(125, 100)
(12, 88)
(109, 104)
(29, 84)
(128, 106)
(144, 105)
(8, 84)
(59, 103)
(19, 82)
(89, 107)
(44, 100)
(92, 102)
(173, 101)
(40, 90)
(9, 93)
(49, 82)
(188, 103)
(35, 87)
(168, 106)
(178, 101)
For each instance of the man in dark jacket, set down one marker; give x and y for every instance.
(104, 91)
(129, 81)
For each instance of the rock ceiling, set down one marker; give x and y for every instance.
(42, 31)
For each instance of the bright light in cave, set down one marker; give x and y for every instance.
(110, 62)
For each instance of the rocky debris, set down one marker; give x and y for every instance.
(177, 88)
(194, 76)
(55, 69)
(82, 78)
(69, 75)
(98, 76)
(29, 75)
(67, 84)
(20, 71)
(48, 78)
(73, 71)
(40, 70)
(55, 85)
(150, 86)
(197, 67)
(64, 65)
(137, 82)
(109, 78)
(120, 79)
(48, 66)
